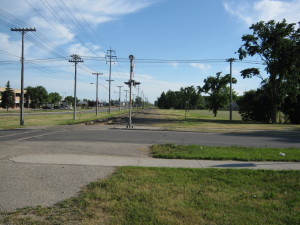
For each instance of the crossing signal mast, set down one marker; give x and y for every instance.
(131, 83)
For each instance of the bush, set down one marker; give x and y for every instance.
(255, 106)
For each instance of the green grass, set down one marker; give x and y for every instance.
(9, 122)
(203, 120)
(177, 196)
(26, 110)
(172, 151)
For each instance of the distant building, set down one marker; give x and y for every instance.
(17, 94)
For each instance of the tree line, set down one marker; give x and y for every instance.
(35, 97)
(191, 98)
(278, 46)
(185, 97)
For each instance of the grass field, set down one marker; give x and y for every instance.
(172, 151)
(177, 196)
(203, 120)
(8, 122)
(195, 120)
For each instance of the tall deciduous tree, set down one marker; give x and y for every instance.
(255, 105)
(70, 100)
(37, 95)
(218, 91)
(54, 98)
(179, 99)
(277, 44)
(8, 97)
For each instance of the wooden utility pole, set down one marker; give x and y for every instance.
(126, 102)
(23, 31)
(111, 58)
(76, 59)
(120, 97)
(97, 100)
(230, 61)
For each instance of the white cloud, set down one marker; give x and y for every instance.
(57, 33)
(264, 10)
(57, 21)
(113, 7)
(66, 36)
(200, 66)
(81, 50)
(174, 64)
(12, 47)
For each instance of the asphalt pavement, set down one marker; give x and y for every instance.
(44, 165)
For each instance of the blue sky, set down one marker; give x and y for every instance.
(203, 32)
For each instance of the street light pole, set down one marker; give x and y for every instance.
(97, 101)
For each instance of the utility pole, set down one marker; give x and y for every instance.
(23, 31)
(142, 99)
(131, 83)
(126, 103)
(111, 58)
(97, 101)
(119, 97)
(133, 100)
(138, 95)
(138, 91)
(76, 59)
(230, 61)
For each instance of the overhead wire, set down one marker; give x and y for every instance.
(8, 53)
(47, 45)
(63, 21)
(88, 24)
(10, 21)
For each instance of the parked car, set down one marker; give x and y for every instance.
(47, 107)
(65, 107)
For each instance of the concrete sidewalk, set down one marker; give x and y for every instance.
(109, 160)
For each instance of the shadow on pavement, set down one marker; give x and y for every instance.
(278, 136)
(235, 165)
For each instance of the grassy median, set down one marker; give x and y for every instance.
(177, 196)
(172, 151)
(203, 120)
(8, 122)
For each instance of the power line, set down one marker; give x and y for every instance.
(9, 21)
(88, 24)
(63, 21)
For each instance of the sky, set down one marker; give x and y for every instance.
(176, 43)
